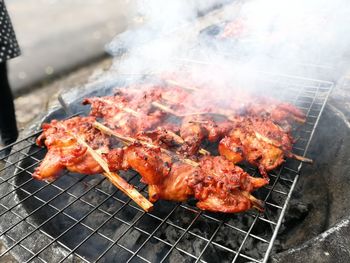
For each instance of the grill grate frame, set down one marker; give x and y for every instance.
(140, 236)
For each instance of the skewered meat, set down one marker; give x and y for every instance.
(255, 130)
(195, 129)
(130, 110)
(217, 184)
(175, 186)
(193, 133)
(260, 141)
(63, 150)
(151, 164)
(283, 114)
(244, 143)
(266, 130)
(225, 187)
(116, 114)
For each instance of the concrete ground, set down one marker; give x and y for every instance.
(57, 36)
(30, 105)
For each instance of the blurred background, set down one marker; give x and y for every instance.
(62, 44)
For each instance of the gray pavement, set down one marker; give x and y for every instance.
(33, 104)
(57, 36)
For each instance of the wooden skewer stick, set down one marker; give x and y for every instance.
(115, 179)
(126, 109)
(288, 153)
(300, 158)
(258, 204)
(165, 108)
(129, 140)
(179, 140)
(258, 135)
(204, 151)
(168, 110)
(175, 83)
(174, 135)
(118, 181)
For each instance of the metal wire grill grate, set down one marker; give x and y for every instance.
(85, 218)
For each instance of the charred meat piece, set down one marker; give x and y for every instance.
(265, 129)
(243, 144)
(126, 113)
(217, 184)
(193, 133)
(195, 129)
(175, 186)
(151, 164)
(64, 152)
(284, 114)
(220, 186)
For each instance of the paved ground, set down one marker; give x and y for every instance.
(57, 36)
(29, 106)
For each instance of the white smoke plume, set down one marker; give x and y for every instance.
(295, 37)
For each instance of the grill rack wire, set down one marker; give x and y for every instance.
(29, 210)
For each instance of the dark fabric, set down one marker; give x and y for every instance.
(8, 44)
(8, 126)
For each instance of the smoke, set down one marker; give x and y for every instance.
(308, 38)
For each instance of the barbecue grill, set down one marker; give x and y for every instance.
(85, 218)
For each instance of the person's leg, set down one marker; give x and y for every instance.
(8, 126)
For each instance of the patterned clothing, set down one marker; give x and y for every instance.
(8, 44)
(8, 49)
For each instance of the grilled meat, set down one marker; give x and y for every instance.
(224, 187)
(250, 129)
(258, 141)
(64, 152)
(195, 129)
(284, 114)
(217, 184)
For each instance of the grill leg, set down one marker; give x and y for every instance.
(8, 126)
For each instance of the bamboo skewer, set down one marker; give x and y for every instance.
(258, 135)
(129, 140)
(165, 108)
(289, 153)
(126, 109)
(175, 83)
(114, 178)
(258, 204)
(168, 110)
(300, 158)
(177, 138)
